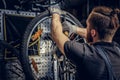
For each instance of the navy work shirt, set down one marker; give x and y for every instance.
(90, 65)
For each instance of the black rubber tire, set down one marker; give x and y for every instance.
(10, 69)
(24, 56)
(13, 70)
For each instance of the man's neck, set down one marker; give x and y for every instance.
(103, 41)
(100, 41)
(96, 39)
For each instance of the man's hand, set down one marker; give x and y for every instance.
(67, 26)
(56, 9)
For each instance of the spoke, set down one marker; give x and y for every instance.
(76, 37)
(72, 34)
(79, 39)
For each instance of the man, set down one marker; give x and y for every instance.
(102, 24)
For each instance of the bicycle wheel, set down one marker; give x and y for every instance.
(37, 47)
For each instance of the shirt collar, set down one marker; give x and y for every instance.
(105, 43)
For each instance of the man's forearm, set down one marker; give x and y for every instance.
(81, 31)
(56, 25)
(57, 33)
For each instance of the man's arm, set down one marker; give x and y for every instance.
(75, 29)
(57, 34)
(81, 31)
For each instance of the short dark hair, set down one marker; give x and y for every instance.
(105, 21)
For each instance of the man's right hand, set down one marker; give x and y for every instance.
(67, 26)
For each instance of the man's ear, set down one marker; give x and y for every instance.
(93, 32)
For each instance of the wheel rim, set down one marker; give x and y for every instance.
(41, 49)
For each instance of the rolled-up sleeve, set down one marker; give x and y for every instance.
(74, 51)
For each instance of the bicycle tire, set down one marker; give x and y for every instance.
(11, 70)
(24, 55)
